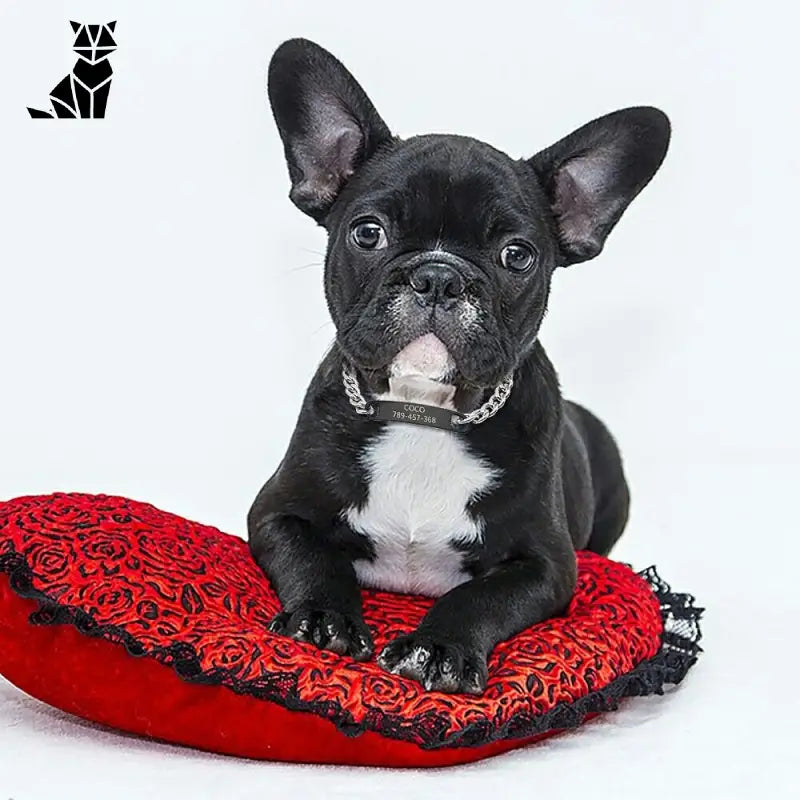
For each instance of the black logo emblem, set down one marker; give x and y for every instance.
(84, 92)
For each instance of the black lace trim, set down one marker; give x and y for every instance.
(679, 651)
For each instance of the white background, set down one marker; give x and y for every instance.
(159, 323)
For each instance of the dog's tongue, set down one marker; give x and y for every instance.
(418, 371)
(426, 357)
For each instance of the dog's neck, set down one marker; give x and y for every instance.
(420, 373)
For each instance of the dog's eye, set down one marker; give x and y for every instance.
(368, 235)
(518, 257)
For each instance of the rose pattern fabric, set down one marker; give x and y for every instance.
(192, 597)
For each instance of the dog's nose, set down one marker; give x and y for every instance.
(436, 283)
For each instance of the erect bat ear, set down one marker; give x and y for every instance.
(76, 26)
(112, 25)
(592, 175)
(327, 123)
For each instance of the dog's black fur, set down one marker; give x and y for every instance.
(448, 203)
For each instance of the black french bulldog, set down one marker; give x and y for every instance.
(441, 251)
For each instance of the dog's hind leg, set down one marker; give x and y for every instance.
(610, 519)
(610, 489)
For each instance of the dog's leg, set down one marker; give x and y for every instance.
(449, 650)
(316, 584)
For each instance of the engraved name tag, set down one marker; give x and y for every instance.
(415, 414)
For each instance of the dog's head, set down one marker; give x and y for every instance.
(441, 248)
(93, 43)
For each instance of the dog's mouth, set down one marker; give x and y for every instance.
(440, 350)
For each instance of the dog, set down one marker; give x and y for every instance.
(84, 92)
(433, 453)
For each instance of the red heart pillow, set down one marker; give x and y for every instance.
(139, 619)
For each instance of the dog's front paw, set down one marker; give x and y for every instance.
(328, 630)
(439, 666)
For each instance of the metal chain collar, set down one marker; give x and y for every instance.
(353, 392)
(480, 414)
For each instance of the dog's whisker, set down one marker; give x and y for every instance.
(324, 325)
(305, 266)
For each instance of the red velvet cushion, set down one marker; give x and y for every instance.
(130, 616)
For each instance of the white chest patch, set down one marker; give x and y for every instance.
(420, 483)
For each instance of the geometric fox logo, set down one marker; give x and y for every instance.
(84, 92)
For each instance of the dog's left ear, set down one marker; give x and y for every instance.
(592, 175)
(327, 123)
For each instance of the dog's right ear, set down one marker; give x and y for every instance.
(326, 121)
